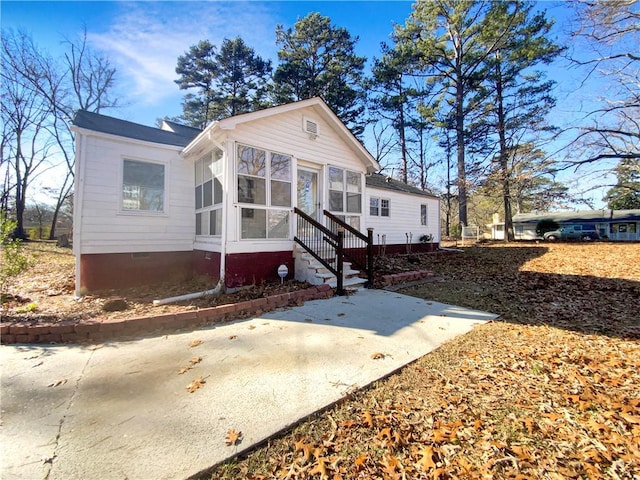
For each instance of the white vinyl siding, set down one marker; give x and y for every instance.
(107, 227)
(271, 134)
(404, 216)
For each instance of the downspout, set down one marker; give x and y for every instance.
(220, 287)
(225, 214)
(77, 210)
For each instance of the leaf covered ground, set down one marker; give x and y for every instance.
(550, 391)
(45, 292)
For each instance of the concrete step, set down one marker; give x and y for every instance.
(354, 282)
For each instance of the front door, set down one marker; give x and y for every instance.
(308, 194)
(308, 198)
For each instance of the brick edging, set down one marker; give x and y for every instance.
(405, 277)
(99, 330)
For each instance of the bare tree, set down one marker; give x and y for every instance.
(82, 80)
(606, 36)
(25, 116)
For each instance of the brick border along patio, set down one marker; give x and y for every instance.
(99, 330)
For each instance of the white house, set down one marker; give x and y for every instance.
(158, 203)
(616, 225)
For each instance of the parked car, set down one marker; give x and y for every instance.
(573, 232)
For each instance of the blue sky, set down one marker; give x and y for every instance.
(144, 39)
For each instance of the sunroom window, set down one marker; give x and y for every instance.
(264, 184)
(345, 195)
(208, 191)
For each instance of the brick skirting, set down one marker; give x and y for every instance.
(99, 330)
(404, 277)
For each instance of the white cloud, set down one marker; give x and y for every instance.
(145, 40)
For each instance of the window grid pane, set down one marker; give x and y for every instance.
(373, 206)
(254, 223)
(384, 208)
(278, 224)
(251, 161)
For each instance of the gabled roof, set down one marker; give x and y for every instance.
(604, 215)
(377, 180)
(114, 126)
(320, 107)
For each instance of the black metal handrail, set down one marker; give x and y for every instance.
(358, 247)
(323, 244)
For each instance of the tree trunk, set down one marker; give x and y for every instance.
(462, 174)
(403, 140)
(504, 158)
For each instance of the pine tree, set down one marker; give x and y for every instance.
(519, 97)
(228, 82)
(317, 59)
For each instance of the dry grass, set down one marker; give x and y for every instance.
(551, 392)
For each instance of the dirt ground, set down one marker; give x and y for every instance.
(45, 292)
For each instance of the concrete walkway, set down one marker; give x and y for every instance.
(121, 410)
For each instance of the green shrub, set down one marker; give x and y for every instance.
(12, 260)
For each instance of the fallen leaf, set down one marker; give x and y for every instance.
(251, 327)
(320, 468)
(378, 356)
(232, 337)
(196, 384)
(195, 343)
(196, 360)
(232, 437)
(426, 462)
(58, 383)
(183, 370)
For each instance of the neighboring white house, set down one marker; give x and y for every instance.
(155, 203)
(617, 225)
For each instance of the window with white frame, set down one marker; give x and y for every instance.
(379, 207)
(208, 190)
(345, 195)
(143, 186)
(264, 186)
(423, 214)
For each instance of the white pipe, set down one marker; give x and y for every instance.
(189, 296)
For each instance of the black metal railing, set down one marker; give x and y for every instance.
(357, 248)
(323, 244)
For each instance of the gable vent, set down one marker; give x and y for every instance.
(311, 127)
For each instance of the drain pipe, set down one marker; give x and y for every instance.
(189, 296)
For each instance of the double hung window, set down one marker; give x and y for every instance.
(379, 207)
